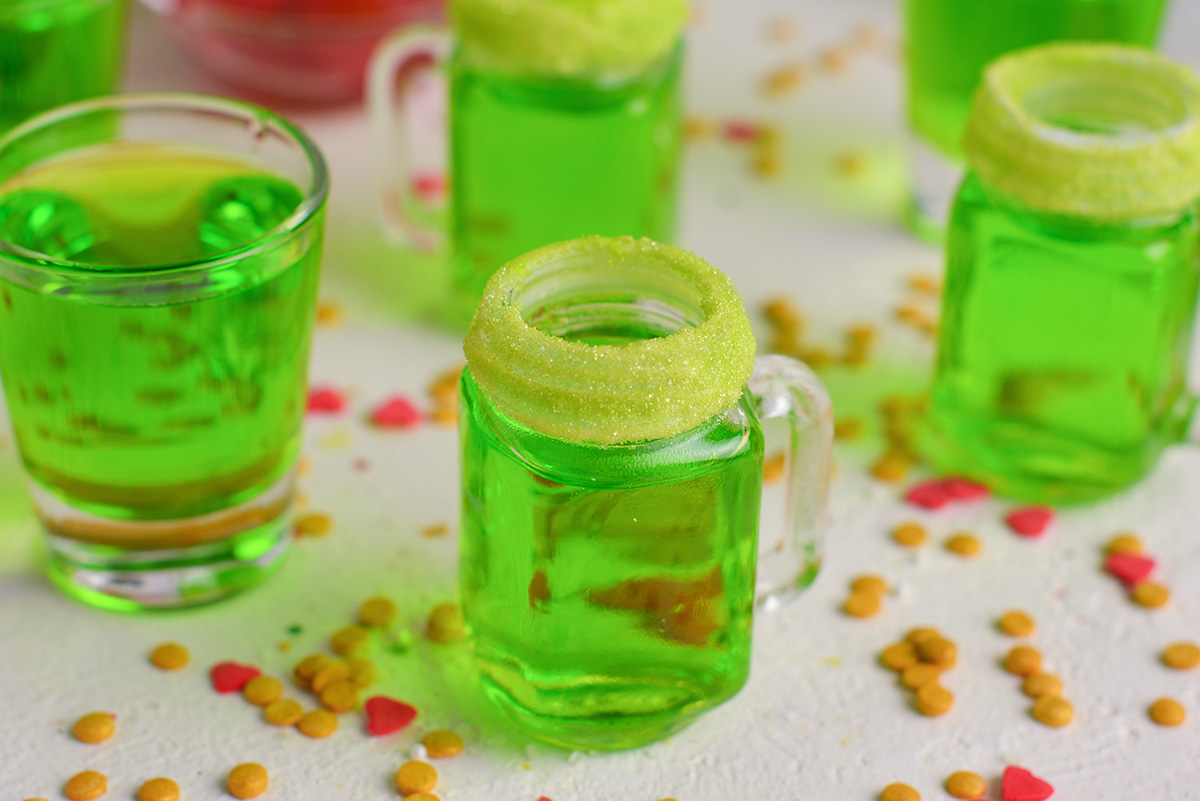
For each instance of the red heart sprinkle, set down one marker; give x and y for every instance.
(387, 715)
(1031, 521)
(326, 400)
(961, 489)
(543, 798)
(396, 412)
(429, 185)
(231, 677)
(1128, 567)
(740, 131)
(1019, 784)
(928, 495)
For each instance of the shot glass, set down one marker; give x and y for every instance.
(612, 460)
(159, 257)
(949, 44)
(54, 52)
(1072, 271)
(564, 121)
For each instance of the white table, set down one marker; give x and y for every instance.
(819, 719)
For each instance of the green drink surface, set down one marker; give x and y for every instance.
(951, 41)
(142, 400)
(608, 591)
(57, 54)
(1062, 358)
(541, 160)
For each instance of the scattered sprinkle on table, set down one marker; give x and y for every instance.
(95, 727)
(921, 634)
(314, 524)
(377, 612)
(445, 623)
(340, 696)
(170, 656)
(1124, 543)
(892, 467)
(362, 671)
(1053, 710)
(326, 400)
(334, 671)
(1036, 685)
(1150, 595)
(442, 743)
(898, 656)
(965, 784)
(1016, 623)
(1129, 568)
(1018, 784)
(284, 712)
(930, 495)
(231, 677)
(773, 468)
(1030, 521)
(318, 723)
(938, 651)
(387, 715)
(1181, 656)
(1167, 712)
(248, 780)
(964, 545)
(917, 676)
(349, 640)
(898, 791)
(263, 690)
(910, 535)
(934, 700)
(861, 604)
(86, 786)
(416, 777)
(158, 790)
(396, 412)
(1023, 660)
(308, 667)
(873, 584)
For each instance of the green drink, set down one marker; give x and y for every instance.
(57, 51)
(155, 315)
(951, 41)
(611, 474)
(564, 121)
(1072, 274)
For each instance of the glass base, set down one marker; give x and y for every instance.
(186, 565)
(935, 180)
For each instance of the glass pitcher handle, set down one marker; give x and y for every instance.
(412, 216)
(784, 387)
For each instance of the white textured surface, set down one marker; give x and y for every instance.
(818, 719)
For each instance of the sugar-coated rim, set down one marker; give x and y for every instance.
(314, 198)
(1059, 171)
(611, 394)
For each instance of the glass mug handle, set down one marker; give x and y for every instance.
(408, 213)
(783, 387)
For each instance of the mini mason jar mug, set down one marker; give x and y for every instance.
(564, 121)
(1073, 263)
(612, 461)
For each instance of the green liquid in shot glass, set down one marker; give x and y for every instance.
(157, 409)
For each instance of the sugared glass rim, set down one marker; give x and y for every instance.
(622, 394)
(250, 114)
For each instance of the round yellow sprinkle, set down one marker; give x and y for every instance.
(445, 623)
(341, 696)
(262, 690)
(170, 656)
(362, 671)
(422, 797)
(861, 604)
(1124, 543)
(1181, 655)
(964, 545)
(95, 727)
(1016, 623)
(899, 792)
(938, 651)
(1038, 684)
(334, 671)
(934, 699)
(248, 780)
(1023, 661)
(377, 612)
(308, 667)
(919, 635)
(892, 467)
(284, 712)
(318, 723)
(158, 790)
(314, 524)
(442, 743)
(898, 656)
(416, 777)
(350, 640)
(1150, 594)
(910, 535)
(965, 784)
(86, 786)
(917, 676)
(869, 583)
(1053, 710)
(1167, 712)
